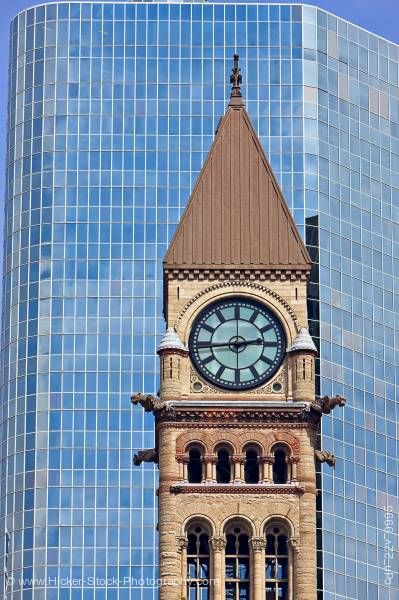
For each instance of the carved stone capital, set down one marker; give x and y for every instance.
(210, 458)
(257, 544)
(294, 543)
(218, 544)
(238, 459)
(266, 460)
(182, 543)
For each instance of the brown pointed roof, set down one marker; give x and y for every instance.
(237, 217)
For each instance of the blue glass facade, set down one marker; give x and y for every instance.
(112, 109)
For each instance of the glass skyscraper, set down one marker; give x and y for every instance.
(112, 109)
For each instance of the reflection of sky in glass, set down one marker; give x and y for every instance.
(110, 122)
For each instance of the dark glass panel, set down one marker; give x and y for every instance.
(270, 568)
(282, 591)
(282, 544)
(204, 544)
(243, 545)
(270, 544)
(194, 466)
(251, 468)
(279, 467)
(223, 469)
(192, 544)
(230, 568)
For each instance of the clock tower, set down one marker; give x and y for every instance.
(236, 417)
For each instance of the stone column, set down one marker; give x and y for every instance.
(179, 460)
(294, 468)
(218, 545)
(182, 544)
(214, 462)
(185, 468)
(208, 459)
(238, 465)
(293, 551)
(264, 464)
(305, 569)
(258, 545)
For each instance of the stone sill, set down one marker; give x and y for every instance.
(236, 488)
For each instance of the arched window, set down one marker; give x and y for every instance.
(280, 470)
(194, 467)
(197, 564)
(223, 466)
(237, 576)
(276, 563)
(251, 466)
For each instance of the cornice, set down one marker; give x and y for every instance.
(230, 417)
(282, 273)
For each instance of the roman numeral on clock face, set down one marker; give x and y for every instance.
(254, 372)
(254, 316)
(207, 360)
(266, 360)
(220, 316)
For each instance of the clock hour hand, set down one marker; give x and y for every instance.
(210, 345)
(230, 343)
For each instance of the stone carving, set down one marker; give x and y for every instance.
(294, 543)
(149, 455)
(218, 544)
(198, 385)
(329, 403)
(182, 543)
(245, 285)
(324, 456)
(150, 403)
(258, 543)
(236, 79)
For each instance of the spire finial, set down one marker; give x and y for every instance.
(236, 81)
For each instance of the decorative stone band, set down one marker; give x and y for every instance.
(202, 417)
(238, 283)
(229, 488)
(218, 544)
(240, 274)
(257, 544)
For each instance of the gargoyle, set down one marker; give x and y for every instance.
(329, 403)
(148, 455)
(324, 456)
(149, 402)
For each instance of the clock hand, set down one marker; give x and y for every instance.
(210, 345)
(237, 343)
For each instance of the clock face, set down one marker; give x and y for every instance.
(237, 343)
